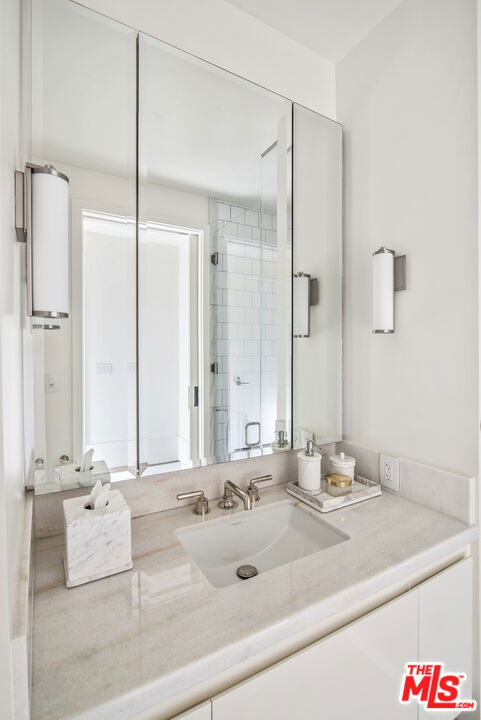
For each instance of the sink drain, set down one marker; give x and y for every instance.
(247, 571)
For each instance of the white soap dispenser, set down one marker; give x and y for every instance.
(309, 468)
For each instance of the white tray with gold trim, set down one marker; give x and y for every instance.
(362, 489)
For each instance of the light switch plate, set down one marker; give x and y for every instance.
(389, 471)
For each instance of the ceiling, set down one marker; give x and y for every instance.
(201, 129)
(205, 132)
(331, 28)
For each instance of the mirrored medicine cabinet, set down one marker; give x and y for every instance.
(206, 258)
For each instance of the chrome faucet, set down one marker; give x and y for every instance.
(231, 489)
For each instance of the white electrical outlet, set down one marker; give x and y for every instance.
(51, 383)
(389, 471)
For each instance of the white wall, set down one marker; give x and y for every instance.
(407, 98)
(165, 351)
(109, 342)
(12, 497)
(104, 193)
(231, 38)
(91, 191)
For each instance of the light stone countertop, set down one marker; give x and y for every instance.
(122, 645)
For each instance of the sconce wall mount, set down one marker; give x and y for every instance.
(306, 294)
(41, 222)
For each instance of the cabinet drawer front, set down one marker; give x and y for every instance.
(354, 673)
(445, 627)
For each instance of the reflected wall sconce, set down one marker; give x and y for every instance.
(305, 294)
(388, 276)
(41, 222)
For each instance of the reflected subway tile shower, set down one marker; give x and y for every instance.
(244, 318)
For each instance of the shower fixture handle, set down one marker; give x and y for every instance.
(254, 423)
(238, 381)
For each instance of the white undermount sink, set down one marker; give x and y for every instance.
(263, 537)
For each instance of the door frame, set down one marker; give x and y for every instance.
(200, 421)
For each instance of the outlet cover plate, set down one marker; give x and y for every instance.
(389, 471)
(51, 383)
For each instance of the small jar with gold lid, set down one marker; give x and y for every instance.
(338, 484)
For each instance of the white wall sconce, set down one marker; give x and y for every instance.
(388, 276)
(306, 293)
(41, 221)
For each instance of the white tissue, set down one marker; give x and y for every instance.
(102, 500)
(99, 496)
(86, 463)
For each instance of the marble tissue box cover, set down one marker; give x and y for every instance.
(97, 542)
(68, 475)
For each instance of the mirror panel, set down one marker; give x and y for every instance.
(83, 122)
(179, 349)
(214, 243)
(317, 359)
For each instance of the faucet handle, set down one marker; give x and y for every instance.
(253, 490)
(201, 505)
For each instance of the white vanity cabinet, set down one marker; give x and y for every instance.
(446, 627)
(353, 673)
(357, 671)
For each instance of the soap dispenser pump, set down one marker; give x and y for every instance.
(309, 468)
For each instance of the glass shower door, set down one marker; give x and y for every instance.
(236, 317)
(251, 311)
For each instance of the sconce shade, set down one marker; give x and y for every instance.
(49, 243)
(301, 305)
(383, 291)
